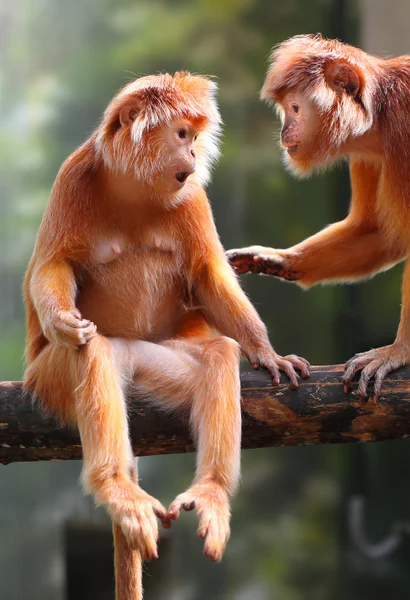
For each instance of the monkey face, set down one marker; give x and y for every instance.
(176, 153)
(300, 129)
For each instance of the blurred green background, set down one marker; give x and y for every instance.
(296, 532)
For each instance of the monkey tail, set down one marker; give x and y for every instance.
(128, 568)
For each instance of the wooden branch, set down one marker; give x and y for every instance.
(317, 413)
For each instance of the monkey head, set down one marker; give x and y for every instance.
(162, 129)
(324, 92)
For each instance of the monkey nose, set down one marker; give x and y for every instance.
(193, 153)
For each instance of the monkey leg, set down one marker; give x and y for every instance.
(377, 363)
(92, 393)
(216, 423)
(203, 375)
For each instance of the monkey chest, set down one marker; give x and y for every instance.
(133, 291)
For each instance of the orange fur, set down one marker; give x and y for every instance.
(336, 101)
(128, 284)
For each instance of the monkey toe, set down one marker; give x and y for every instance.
(182, 502)
(376, 363)
(214, 527)
(211, 502)
(141, 535)
(136, 513)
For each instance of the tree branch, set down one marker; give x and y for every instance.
(317, 413)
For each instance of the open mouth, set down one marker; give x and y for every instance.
(182, 177)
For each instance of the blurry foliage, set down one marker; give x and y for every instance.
(60, 63)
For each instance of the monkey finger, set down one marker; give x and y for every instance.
(203, 526)
(351, 368)
(89, 331)
(287, 368)
(300, 364)
(162, 514)
(378, 379)
(365, 377)
(149, 524)
(72, 320)
(274, 371)
(174, 509)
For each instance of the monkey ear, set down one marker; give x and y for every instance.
(342, 77)
(129, 112)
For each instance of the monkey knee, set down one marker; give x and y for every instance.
(223, 347)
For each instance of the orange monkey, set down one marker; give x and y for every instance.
(336, 101)
(127, 284)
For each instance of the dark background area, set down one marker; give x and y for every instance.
(294, 532)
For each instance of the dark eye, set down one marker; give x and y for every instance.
(295, 108)
(195, 138)
(182, 134)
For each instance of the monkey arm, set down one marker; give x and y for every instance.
(53, 287)
(343, 251)
(53, 290)
(229, 310)
(351, 249)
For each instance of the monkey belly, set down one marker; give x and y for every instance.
(137, 296)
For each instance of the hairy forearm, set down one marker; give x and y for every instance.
(230, 311)
(341, 252)
(53, 288)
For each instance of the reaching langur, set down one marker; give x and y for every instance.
(336, 101)
(129, 284)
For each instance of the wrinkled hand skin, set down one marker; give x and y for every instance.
(256, 260)
(274, 363)
(376, 363)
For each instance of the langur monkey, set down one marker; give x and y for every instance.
(129, 284)
(337, 101)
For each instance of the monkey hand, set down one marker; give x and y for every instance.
(67, 328)
(274, 363)
(261, 260)
(375, 363)
(211, 502)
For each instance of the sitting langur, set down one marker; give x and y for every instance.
(129, 283)
(336, 101)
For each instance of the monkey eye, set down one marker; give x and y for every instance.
(195, 138)
(295, 108)
(182, 134)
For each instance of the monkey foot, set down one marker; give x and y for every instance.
(375, 363)
(257, 260)
(136, 513)
(211, 502)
